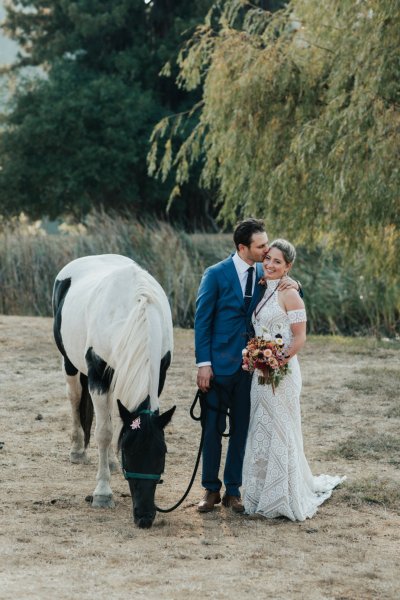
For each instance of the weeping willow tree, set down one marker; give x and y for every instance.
(299, 122)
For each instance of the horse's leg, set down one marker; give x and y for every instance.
(113, 461)
(102, 495)
(74, 394)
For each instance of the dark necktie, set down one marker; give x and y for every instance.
(249, 288)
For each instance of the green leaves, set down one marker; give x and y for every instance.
(300, 119)
(77, 142)
(78, 138)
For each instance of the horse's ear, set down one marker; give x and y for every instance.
(145, 405)
(124, 413)
(165, 418)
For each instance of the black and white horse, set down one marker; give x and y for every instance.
(113, 326)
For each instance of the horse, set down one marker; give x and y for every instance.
(113, 327)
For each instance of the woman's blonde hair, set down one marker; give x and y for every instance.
(287, 249)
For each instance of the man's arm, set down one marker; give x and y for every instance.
(205, 308)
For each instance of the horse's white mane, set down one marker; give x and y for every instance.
(132, 355)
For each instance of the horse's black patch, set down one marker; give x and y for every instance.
(85, 409)
(99, 373)
(69, 367)
(164, 364)
(60, 290)
(61, 287)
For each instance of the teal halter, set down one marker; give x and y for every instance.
(132, 475)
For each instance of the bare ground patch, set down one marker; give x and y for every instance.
(53, 545)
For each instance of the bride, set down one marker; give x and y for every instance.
(276, 476)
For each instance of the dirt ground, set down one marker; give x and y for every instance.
(54, 545)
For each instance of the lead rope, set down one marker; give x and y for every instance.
(201, 398)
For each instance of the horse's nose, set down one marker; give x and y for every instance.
(144, 521)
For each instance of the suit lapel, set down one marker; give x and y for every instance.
(232, 276)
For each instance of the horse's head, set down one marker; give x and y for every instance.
(143, 451)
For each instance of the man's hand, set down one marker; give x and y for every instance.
(204, 376)
(288, 284)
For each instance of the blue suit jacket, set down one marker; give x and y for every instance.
(222, 325)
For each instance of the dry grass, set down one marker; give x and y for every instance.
(383, 492)
(368, 380)
(371, 445)
(394, 411)
(339, 297)
(53, 545)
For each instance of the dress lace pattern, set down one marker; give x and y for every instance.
(277, 479)
(297, 316)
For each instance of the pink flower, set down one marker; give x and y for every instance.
(267, 353)
(135, 423)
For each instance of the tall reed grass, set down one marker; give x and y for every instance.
(340, 296)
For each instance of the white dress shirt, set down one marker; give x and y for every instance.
(242, 270)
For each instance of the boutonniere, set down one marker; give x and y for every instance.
(262, 281)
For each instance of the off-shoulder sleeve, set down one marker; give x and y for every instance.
(297, 316)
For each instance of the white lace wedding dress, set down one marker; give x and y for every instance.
(277, 479)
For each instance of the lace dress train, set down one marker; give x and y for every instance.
(277, 479)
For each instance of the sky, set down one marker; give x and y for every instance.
(8, 48)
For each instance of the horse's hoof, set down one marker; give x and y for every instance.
(103, 502)
(79, 458)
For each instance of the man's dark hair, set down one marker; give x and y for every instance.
(245, 230)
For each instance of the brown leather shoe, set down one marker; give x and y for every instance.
(209, 500)
(233, 502)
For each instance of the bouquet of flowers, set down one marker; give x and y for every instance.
(265, 356)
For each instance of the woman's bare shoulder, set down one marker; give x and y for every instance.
(291, 299)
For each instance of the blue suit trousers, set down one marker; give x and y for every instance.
(233, 392)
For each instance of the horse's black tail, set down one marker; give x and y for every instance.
(86, 409)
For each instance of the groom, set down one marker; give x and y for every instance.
(229, 292)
